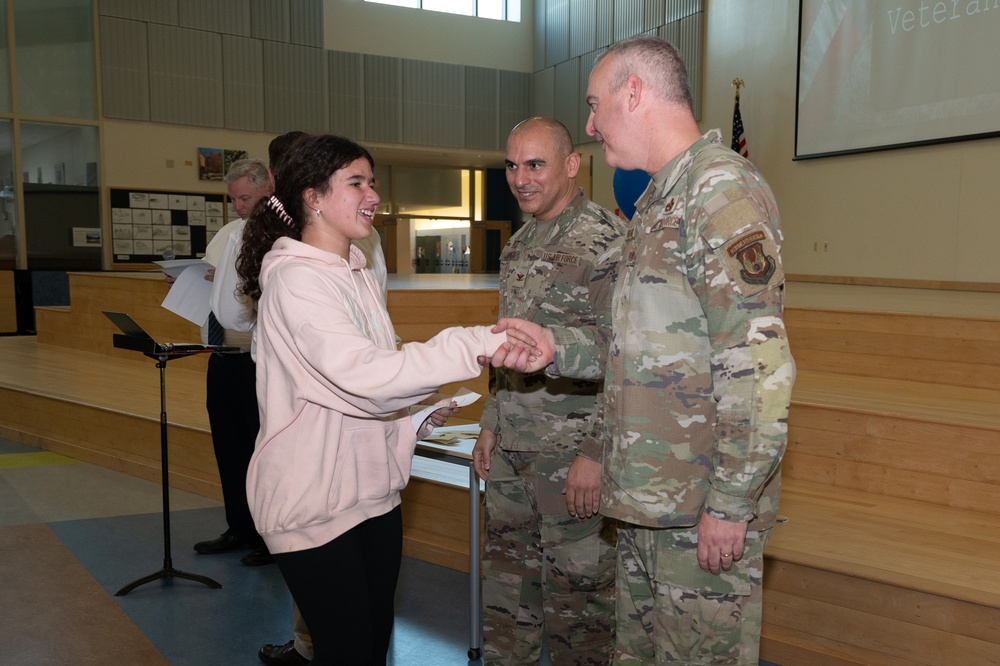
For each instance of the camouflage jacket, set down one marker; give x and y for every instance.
(699, 373)
(558, 272)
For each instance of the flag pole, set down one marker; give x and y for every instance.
(739, 142)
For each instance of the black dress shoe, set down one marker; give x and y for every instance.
(224, 543)
(281, 655)
(257, 557)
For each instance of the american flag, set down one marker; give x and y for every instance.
(739, 143)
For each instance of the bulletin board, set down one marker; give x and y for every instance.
(147, 223)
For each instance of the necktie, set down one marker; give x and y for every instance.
(216, 334)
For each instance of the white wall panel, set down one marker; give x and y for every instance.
(515, 102)
(582, 27)
(306, 22)
(383, 99)
(654, 14)
(539, 41)
(628, 19)
(690, 45)
(605, 10)
(543, 86)
(295, 88)
(185, 76)
(269, 20)
(586, 66)
(160, 11)
(347, 104)
(678, 9)
(482, 110)
(124, 69)
(433, 103)
(231, 17)
(568, 99)
(243, 83)
(556, 32)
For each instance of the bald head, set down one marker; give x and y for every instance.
(542, 167)
(558, 135)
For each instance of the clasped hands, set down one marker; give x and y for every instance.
(529, 347)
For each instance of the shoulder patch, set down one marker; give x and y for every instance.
(756, 265)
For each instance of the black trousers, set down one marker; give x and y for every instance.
(235, 420)
(345, 588)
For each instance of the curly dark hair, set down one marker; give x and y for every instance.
(309, 164)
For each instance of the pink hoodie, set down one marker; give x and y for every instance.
(335, 441)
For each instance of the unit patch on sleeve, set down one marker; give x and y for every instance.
(757, 267)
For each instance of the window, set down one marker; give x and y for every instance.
(502, 10)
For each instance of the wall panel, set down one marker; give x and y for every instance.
(269, 20)
(689, 45)
(556, 32)
(568, 98)
(586, 66)
(383, 99)
(124, 69)
(433, 103)
(482, 112)
(243, 83)
(347, 104)
(582, 27)
(543, 86)
(163, 11)
(514, 102)
(628, 19)
(295, 89)
(306, 22)
(185, 76)
(231, 17)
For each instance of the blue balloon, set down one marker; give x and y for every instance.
(628, 187)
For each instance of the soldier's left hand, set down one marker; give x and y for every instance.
(583, 487)
(720, 543)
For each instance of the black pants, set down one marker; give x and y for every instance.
(345, 589)
(233, 416)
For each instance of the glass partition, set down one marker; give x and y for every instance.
(8, 204)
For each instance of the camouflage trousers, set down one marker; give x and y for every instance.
(670, 611)
(545, 573)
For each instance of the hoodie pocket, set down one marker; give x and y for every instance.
(366, 469)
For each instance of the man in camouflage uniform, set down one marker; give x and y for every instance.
(549, 558)
(698, 375)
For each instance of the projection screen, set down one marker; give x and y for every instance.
(879, 74)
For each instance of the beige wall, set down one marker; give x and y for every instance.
(929, 213)
(136, 154)
(363, 27)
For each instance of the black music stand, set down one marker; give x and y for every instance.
(133, 337)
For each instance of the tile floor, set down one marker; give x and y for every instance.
(72, 534)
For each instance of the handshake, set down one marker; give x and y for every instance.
(529, 347)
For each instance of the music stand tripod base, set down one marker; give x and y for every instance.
(168, 571)
(135, 339)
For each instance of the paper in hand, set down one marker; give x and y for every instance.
(462, 398)
(189, 294)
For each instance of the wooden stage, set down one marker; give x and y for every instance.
(891, 549)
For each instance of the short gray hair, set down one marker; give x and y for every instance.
(254, 170)
(655, 61)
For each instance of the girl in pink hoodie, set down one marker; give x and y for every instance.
(335, 442)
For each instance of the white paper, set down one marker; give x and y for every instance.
(174, 267)
(190, 293)
(462, 398)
